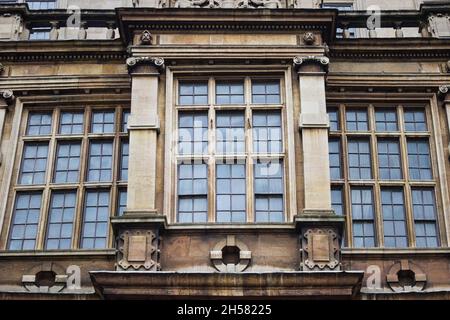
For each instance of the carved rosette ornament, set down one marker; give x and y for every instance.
(323, 62)
(222, 255)
(405, 276)
(139, 250)
(320, 249)
(153, 61)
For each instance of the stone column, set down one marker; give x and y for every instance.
(319, 227)
(138, 230)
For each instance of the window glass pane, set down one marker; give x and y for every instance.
(356, 120)
(333, 114)
(102, 122)
(269, 190)
(67, 162)
(389, 159)
(419, 159)
(230, 133)
(25, 221)
(192, 192)
(40, 33)
(60, 223)
(34, 163)
(334, 149)
(415, 119)
(394, 223)
(267, 135)
(100, 161)
(124, 160)
(193, 133)
(336, 200)
(386, 120)
(424, 210)
(363, 217)
(193, 93)
(266, 92)
(122, 202)
(230, 192)
(125, 116)
(229, 92)
(39, 124)
(95, 220)
(359, 161)
(71, 123)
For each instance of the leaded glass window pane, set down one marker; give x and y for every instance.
(95, 220)
(334, 149)
(265, 92)
(229, 92)
(415, 120)
(71, 123)
(34, 163)
(230, 192)
(100, 161)
(267, 135)
(102, 122)
(386, 120)
(192, 192)
(389, 161)
(60, 223)
(122, 202)
(419, 159)
(363, 217)
(356, 120)
(359, 161)
(333, 114)
(39, 124)
(424, 210)
(394, 224)
(124, 160)
(25, 221)
(193, 133)
(193, 93)
(336, 200)
(230, 133)
(67, 162)
(268, 188)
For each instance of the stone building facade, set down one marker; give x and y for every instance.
(224, 148)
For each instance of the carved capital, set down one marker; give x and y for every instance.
(321, 62)
(157, 63)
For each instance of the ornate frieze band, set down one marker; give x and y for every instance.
(152, 61)
(322, 62)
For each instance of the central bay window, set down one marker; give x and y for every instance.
(72, 164)
(230, 151)
(382, 177)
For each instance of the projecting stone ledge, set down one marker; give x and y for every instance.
(267, 285)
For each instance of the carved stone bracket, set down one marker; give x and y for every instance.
(322, 62)
(230, 255)
(7, 96)
(405, 276)
(309, 38)
(133, 62)
(146, 38)
(442, 92)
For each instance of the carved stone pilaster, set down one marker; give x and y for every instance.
(155, 62)
(321, 62)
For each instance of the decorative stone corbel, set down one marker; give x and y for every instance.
(133, 62)
(309, 38)
(146, 38)
(322, 62)
(442, 92)
(8, 96)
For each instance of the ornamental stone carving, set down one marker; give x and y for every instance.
(322, 62)
(138, 250)
(442, 92)
(320, 249)
(224, 4)
(230, 255)
(146, 38)
(7, 96)
(405, 276)
(45, 277)
(439, 25)
(309, 38)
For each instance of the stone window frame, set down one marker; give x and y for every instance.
(80, 187)
(282, 73)
(438, 184)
